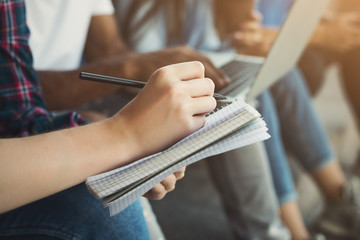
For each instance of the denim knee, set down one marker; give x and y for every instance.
(73, 214)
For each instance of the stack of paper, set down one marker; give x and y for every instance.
(233, 126)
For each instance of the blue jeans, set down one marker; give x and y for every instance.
(72, 214)
(292, 121)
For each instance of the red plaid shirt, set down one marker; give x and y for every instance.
(22, 108)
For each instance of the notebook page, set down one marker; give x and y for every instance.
(251, 134)
(130, 175)
(147, 168)
(232, 141)
(211, 121)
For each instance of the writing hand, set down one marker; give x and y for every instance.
(172, 105)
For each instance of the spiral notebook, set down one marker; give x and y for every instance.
(234, 125)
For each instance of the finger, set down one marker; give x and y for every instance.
(197, 122)
(216, 74)
(247, 38)
(202, 105)
(199, 87)
(179, 174)
(250, 26)
(253, 39)
(219, 78)
(245, 41)
(238, 35)
(256, 15)
(169, 183)
(156, 193)
(237, 39)
(185, 71)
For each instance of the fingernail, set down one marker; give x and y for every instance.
(226, 79)
(238, 35)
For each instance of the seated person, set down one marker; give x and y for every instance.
(291, 89)
(96, 47)
(44, 207)
(294, 91)
(341, 194)
(336, 40)
(101, 57)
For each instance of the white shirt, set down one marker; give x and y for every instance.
(198, 30)
(58, 30)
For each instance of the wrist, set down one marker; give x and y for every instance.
(121, 140)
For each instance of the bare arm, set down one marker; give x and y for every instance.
(106, 54)
(336, 34)
(63, 89)
(172, 105)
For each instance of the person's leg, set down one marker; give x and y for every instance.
(351, 81)
(313, 64)
(243, 180)
(351, 78)
(282, 178)
(152, 223)
(306, 138)
(304, 135)
(72, 214)
(331, 180)
(291, 215)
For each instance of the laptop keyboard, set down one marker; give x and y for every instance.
(241, 74)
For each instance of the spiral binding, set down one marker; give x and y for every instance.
(221, 104)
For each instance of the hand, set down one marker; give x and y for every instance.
(262, 49)
(149, 62)
(251, 38)
(172, 105)
(167, 185)
(248, 33)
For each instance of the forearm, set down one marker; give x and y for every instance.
(64, 89)
(318, 38)
(230, 13)
(105, 53)
(337, 33)
(48, 163)
(167, 109)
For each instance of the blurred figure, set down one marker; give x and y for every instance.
(241, 176)
(251, 38)
(196, 32)
(81, 35)
(42, 194)
(336, 40)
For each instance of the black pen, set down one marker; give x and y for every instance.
(128, 82)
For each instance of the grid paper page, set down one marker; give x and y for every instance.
(235, 140)
(249, 135)
(128, 176)
(211, 121)
(147, 168)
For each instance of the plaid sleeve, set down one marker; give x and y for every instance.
(22, 109)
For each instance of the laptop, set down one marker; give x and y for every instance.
(250, 76)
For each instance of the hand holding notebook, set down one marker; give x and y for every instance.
(232, 126)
